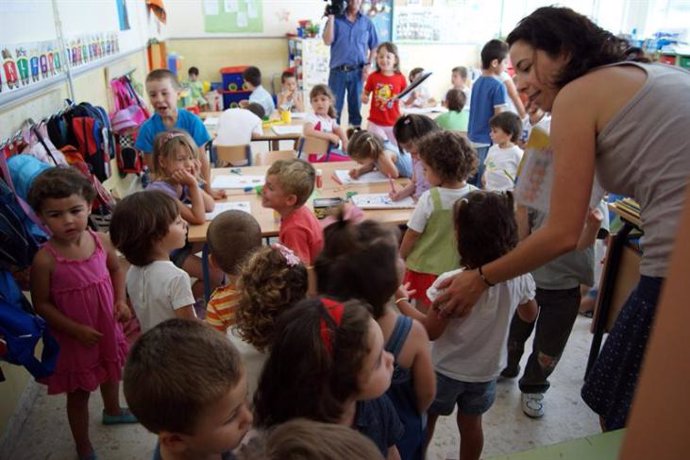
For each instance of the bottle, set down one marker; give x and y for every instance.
(319, 178)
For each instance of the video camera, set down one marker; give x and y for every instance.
(336, 7)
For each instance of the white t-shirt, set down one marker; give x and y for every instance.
(501, 167)
(425, 205)
(319, 123)
(156, 290)
(252, 358)
(510, 105)
(473, 348)
(264, 98)
(236, 126)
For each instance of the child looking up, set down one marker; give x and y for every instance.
(360, 261)
(163, 90)
(504, 156)
(252, 79)
(290, 97)
(327, 363)
(77, 286)
(146, 227)
(408, 130)
(322, 123)
(371, 153)
(456, 118)
(385, 83)
(289, 183)
(469, 352)
(420, 97)
(231, 237)
(194, 398)
(427, 247)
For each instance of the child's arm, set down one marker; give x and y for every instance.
(41, 272)
(185, 312)
(409, 240)
(195, 215)
(309, 131)
(298, 101)
(515, 97)
(404, 192)
(342, 135)
(423, 374)
(117, 277)
(528, 311)
(365, 96)
(484, 179)
(393, 453)
(386, 166)
(356, 172)
(589, 232)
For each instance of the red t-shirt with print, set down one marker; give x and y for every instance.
(382, 88)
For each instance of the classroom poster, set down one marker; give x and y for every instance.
(24, 64)
(233, 16)
(381, 14)
(122, 15)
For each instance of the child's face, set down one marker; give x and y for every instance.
(290, 84)
(498, 136)
(431, 176)
(223, 425)
(375, 376)
(457, 81)
(181, 159)
(176, 237)
(66, 218)
(193, 77)
(321, 103)
(410, 147)
(498, 67)
(385, 60)
(163, 96)
(274, 196)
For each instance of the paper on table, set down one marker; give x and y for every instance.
(423, 110)
(211, 121)
(227, 206)
(380, 201)
(287, 129)
(298, 115)
(343, 176)
(226, 181)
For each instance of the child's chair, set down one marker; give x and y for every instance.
(268, 158)
(312, 145)
(234, 155)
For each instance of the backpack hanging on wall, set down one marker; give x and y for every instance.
(129, 114)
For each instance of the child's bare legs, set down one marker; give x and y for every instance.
(471, 436)
(430, 427)
(110, 392)
(78, 417)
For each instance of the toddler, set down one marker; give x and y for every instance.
(289, 183)
(469, 352)
(196, 88)
(322, 123)
(384, 84)
(504, 156)
(420, 97)
(252, 80)
(145, 228)
(77, 286)
(408, 130)
(290, 97)
(186, 383)
(361, 261)
(327, 363)
(231, 237)
(371, 153)
(456, 118)
(428, 245)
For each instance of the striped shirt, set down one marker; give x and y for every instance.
(221, 308)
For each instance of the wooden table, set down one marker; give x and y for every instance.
(270, 224)
(268, 135)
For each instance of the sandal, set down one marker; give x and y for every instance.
(125, 416)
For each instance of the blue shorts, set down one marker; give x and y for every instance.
(472, 398)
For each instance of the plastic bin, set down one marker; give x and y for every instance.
(684, 62)
(233, 89)
(668, 59)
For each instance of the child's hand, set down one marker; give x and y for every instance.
(334, 139)
(365, 98)
(404, 291)
(184, 177)
(397, 195)
(87, 335)
(594, 217)
(354, 173)
(122, 312)
(217, 194)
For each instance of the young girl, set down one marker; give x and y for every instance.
(427, 247)
(371, 153)
(408, 130)
(385, 83)
(327, 363)
(469, 352)
(361, 261)
(176, 169)
(322, 122)
(271, 281)
(503, 158)
(78, 287)
(146, 227)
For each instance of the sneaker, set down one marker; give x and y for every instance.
(125, 416)
(510, 372)
(533, 404)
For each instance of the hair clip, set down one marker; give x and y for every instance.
(334, 315)
(171, 135)
(290, 257)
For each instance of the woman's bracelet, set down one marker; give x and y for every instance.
(402, 299)
(486, 281)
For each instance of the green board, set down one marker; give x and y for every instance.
(603, 446)
(233, 16)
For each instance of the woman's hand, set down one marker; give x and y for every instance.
(460, 293)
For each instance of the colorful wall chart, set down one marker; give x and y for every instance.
(233, 16)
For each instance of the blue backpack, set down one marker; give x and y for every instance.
(21, 329)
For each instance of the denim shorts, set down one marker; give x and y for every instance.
(472, 398)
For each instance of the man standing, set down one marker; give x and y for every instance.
(353, 41)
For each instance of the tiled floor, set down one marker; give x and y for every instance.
(45, 434)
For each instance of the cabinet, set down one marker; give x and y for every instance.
(309, 57)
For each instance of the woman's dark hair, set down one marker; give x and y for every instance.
(557, 30)
(485, 227)
(412, 127)
(59, 182)
(302, 377)
(359, 261)
(449, 154)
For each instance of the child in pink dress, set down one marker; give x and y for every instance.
(78, 287)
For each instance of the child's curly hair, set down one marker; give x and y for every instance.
(448, 154)
(270, 283)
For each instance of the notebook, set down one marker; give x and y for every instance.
(286, 129)
(227, 206)
(343, 177)
(380, 201)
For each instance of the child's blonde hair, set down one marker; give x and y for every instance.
(391, 48)
(323, 90)
(165, 145)
(296, 177)
(271, 281)
(164, 74)
(364, 145)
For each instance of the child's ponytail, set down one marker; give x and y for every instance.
(364, 145)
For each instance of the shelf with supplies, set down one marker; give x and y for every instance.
(309, 57)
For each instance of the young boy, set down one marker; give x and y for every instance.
(456, 118)
(488, 99)
(289, 183)
(163, 90)
(245, 234)
(238, 126)
(290, 96)
(252, 78)
(186, 383)
(459, 78)
(504, 156)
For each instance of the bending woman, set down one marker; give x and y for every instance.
(625, 122)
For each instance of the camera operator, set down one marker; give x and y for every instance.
(353, 41)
